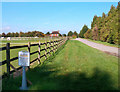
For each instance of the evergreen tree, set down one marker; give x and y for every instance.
(3, 34)
(94, 21)
(83, 31)
(48, 33)
(64, 35)
(103, 15)
(70, 33)
(75, 33)
(106, 28)
(88, 34)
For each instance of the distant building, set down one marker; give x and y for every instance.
(55, 33)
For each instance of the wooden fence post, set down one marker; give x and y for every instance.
(57, 44)
(53, 47)
(45, 50)
(61, 42)
(29, 52)
(39, 53)
(50, 48)
(8, 58)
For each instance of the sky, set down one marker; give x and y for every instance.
(50, 16)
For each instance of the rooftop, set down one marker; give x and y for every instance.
(55, 32)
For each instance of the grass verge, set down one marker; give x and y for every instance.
(75, 66)
(105, 43)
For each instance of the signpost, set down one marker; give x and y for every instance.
(24, 60)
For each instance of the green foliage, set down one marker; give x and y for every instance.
(83, 31)
(74, 36)
(110, 39)
(106, 28)
(94, 20)
(70, 33)
(22, 34)
(75, 33)
(64, 35)
(95, 33)
(60, 35)
(88, 34)
(103, 15)
(48, 33)
(3, 34)
(16, 34)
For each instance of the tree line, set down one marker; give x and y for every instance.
(107, 27)
(104, 28)
(23, 34)
(27, 34)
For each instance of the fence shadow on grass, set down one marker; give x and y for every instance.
(47, 78)
(51, 77)
(50, 59)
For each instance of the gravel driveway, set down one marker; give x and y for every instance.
(104, 48)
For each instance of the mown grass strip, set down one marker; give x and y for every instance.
(75, 66)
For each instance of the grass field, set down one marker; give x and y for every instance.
(75, 66)
(3, 42)
(14, 52)
(105, 43)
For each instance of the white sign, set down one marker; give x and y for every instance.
(24, 58)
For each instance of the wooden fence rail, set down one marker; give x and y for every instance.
(53, 46)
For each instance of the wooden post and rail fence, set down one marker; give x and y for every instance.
(53, 46)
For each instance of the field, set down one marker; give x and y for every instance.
(75, 66)
(25, 40)
(14, 52)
